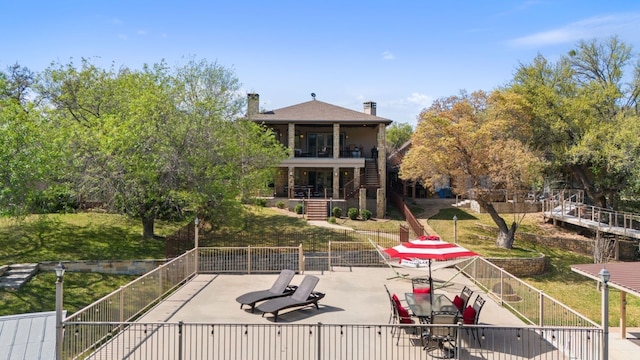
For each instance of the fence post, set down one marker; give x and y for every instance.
(248, 259)
(180, 323)
(541, 316)
(319, 343)
(300, 259)
(329, 255)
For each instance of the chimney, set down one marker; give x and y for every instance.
(253, 102)
(370, 108)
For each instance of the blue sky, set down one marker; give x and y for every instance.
(400, 54)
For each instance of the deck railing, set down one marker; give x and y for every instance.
(101, 325)
(531, 304)
(126, 304)
(319, 341)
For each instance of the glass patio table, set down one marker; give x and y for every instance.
(422, 305)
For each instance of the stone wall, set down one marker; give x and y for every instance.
(521, 266)
(119, 267)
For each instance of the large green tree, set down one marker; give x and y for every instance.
(157, 142)
(397, 134)
(585, 116)
(477, 141)
(27, 152)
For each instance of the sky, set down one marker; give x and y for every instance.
(400, 54)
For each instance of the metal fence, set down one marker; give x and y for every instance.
(125, 304)
(101, 325)
(531, 304)
(319, 341)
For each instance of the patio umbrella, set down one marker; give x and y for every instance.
(429, 248)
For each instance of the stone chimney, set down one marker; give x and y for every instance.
(370, 108)
(253, 103)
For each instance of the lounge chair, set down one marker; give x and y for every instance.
(279, 288)
(303, 296)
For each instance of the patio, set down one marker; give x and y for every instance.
(351, 320)
(352, 297)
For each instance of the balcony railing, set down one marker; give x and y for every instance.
(319, 341)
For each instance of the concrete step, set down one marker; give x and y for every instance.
(17, 275)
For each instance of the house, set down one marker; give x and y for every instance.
(336, 154)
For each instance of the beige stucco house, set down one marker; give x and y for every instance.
(336, 154)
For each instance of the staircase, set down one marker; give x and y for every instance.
(14, 276)
(316, 210)
(371, 178)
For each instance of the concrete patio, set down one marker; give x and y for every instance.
(354, 296)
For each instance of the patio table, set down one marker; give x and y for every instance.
(422, 305)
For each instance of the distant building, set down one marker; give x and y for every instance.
(336, 153)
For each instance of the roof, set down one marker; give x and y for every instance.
(624, 275)
(28, 336)
(315, 112)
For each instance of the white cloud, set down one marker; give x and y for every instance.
(387, 55)
(123, 37)
(420, 99)
(594, 27)
(142, 32)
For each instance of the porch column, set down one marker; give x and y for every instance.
(336, 183)
(291, 181)
(381, 198)
(291, 140)
(336, 141)
(356, 177)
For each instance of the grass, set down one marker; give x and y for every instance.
(85, 236)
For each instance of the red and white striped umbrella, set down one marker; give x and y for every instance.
(435, 249)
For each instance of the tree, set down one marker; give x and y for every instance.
(397, 134)
(585, 116)
(477, 141)
(157, 143)
(27, 153)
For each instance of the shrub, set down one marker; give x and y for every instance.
(331, 220)
(298, 209)
(353, 213)
(280, 204)
(260, 202)
(336, 212)
(366, 214)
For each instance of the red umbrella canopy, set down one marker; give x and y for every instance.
(429, 249)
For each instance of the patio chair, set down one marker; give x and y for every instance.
(421, 285)
(462, 300)
(471, 315)
(279, 288)
(303, 296)
(442, 333)
(393, 316)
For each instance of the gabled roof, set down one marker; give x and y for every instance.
(317, 112)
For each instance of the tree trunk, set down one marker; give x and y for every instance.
(506, 235)
(148, 223)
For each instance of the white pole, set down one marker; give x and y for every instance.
(59, 331)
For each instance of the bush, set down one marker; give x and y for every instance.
(298, 209)
(331, 220)
(353, 213)
(260, 202)
(366, 214)
(336, 212)
(280, 204)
